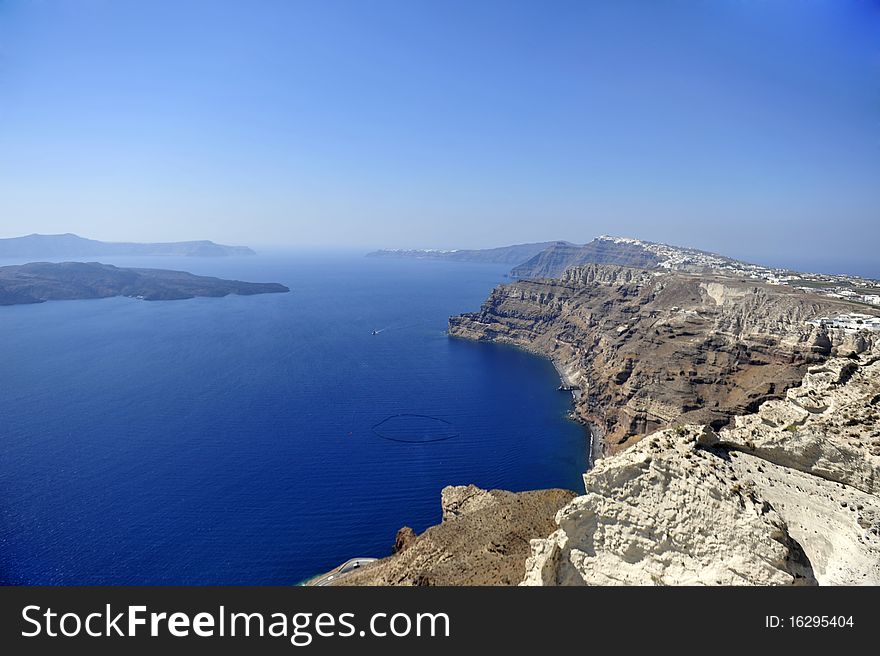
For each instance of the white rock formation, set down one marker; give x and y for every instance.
(457, 500)
(828, 427)
(789, 495)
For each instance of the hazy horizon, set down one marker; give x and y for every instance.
(743, 128)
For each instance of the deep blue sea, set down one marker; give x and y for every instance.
(235, 440)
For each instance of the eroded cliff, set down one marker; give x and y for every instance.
(650, 348)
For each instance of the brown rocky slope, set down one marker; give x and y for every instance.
(483, 540)
(651, 348)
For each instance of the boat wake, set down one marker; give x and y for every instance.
(415, 429)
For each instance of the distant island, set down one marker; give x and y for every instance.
(556, 257)
(549, 259)
(70, 245)
(512, 255)
(43, 281)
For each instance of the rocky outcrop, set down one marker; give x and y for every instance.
(459, 500)
(829, 426)
(652, 348)
(404, 538)
(786, 496)
(483, 540)
(667, 512)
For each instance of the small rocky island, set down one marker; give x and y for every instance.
(44, 281)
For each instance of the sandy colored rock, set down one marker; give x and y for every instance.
(404, 538)
(668, 512)
(458, 500)
(829, 426)
(786, 496)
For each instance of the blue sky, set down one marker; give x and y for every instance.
(750, 127)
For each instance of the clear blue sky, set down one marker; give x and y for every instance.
(750, 127)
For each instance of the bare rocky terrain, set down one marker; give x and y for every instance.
(483, 539)
(787, 496)
(649, 349)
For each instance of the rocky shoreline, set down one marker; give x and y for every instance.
(594, 431)
(735, 438)
(649, 349)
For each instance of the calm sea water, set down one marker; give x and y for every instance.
(235, 440)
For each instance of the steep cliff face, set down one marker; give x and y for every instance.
(653, 348)
(556, 258)
(785, 496)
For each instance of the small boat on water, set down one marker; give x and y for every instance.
(375, 332)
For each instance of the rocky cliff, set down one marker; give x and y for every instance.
(653, 348)
(556, 258)
(789, 495)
